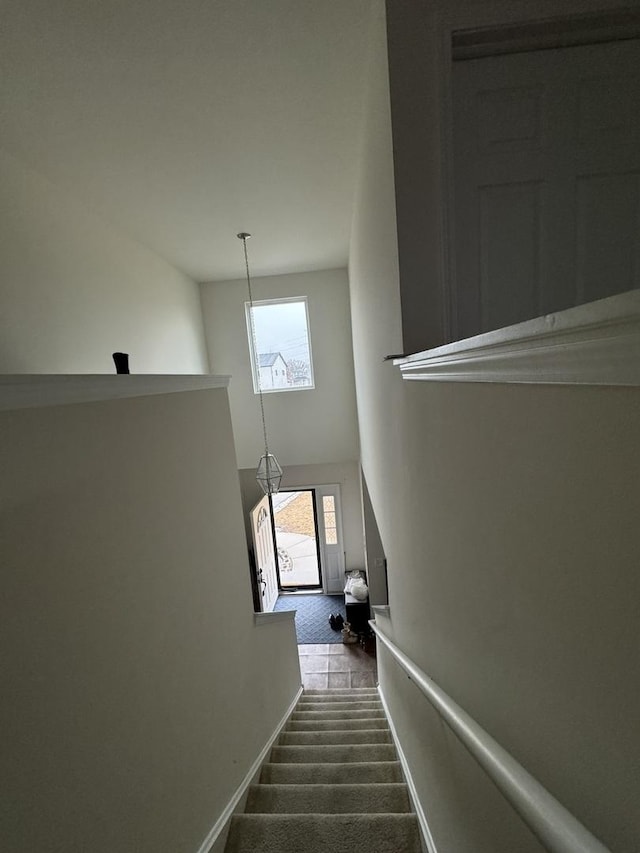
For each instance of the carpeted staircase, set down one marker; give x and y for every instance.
(333, 783)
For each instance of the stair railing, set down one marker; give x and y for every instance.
(549, 820)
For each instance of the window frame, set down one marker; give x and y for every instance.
(285, 300)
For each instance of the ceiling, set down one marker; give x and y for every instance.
(186, 121)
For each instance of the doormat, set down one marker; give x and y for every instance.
(312, 616)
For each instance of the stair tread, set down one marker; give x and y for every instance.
(317, 833)
(334, 753)
(377, 713)
(335, 737)
(313, 690)
(355, 786)
(334, 773)
(362, 693)
(375, 704)
(342, 697)
(318, 798)
(353, 724)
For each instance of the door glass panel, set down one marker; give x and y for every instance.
(296, 539)
(330, 531)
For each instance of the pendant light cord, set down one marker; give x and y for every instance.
(243, 236)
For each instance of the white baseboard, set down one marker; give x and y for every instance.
(241, 790)
(413, 794)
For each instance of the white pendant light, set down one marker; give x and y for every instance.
(269, 473)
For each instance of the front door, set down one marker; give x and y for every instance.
(262, 530)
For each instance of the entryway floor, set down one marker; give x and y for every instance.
(332, 665)
(312, 616)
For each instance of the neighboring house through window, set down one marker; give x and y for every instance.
(279, 344)
(273, 371)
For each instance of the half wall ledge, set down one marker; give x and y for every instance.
(593, 344)
(271, 618)
(34, 390)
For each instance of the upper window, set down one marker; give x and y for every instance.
(279, 343)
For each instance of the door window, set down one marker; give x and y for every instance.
(330, 523)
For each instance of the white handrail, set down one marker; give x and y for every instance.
(557, 828)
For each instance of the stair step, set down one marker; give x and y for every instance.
(335, 725)
(328, 799)
(333, 778)
(342, 691)
(331, 774)
(374, 705)
(339, 754)
(335, 737)
(317, 833)
(375, 714)
(342, 697)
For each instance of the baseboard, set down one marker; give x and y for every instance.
(425, 831)
(218, 827)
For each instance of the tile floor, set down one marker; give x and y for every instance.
(335, 665)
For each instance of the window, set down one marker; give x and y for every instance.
(279, 344)
(330, 528)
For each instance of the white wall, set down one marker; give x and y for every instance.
(311, 426)
(73, 289)
(375, 558)
(345, 474)
(508, 515)
(136, 690)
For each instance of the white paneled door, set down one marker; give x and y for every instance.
(265, 554)
(547, 182)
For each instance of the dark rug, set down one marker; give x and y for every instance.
(312, 617)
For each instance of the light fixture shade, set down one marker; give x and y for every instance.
(269, 473)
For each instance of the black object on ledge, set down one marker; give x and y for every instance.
(121, 360)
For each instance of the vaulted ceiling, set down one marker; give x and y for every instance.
(185, 121)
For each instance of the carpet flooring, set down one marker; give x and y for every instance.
(312, 616)
(326, 789)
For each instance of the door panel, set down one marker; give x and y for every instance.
(262, 531)
(509, 253)
(608, 234)
(547, 188)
